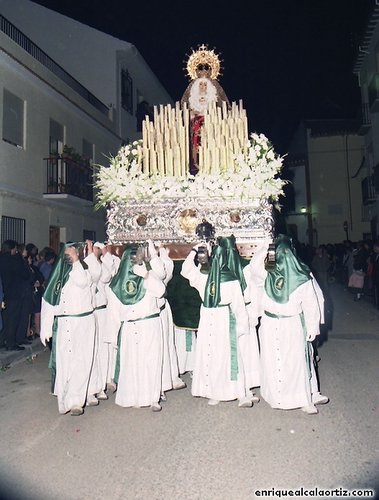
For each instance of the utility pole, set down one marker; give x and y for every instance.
(346, 229)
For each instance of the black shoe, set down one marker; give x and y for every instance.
(16, 348)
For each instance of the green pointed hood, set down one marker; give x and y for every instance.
(127, 286)
(233, 259)
(225, 265)
(289, 272)
(58, 277)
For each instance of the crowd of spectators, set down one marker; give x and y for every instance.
(24, 272)
(353, 264)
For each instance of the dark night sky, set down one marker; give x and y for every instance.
(287, 59)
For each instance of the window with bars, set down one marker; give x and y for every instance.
(143, 110)
(56, 138)
(13, 119)
(126, 91)
(12, 228)
(87, 150)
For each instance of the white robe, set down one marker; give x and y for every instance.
(163, 267)
(74, 338)
(170, 368)
(249, 343)
(140, 346)
(185, 349)
(255, 275)
(112, 263)
(212, 371)
(94, 268)
(287, 374)
(101, 276)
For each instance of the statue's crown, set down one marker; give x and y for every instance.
(204, 60)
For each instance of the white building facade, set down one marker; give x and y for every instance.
(367, 70)
(327, 185)
(69, 96)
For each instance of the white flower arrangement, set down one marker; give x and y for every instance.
(254, 176)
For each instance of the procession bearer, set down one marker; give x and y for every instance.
(67, 316)
(134, 318)
(219, 373)
(291, 309)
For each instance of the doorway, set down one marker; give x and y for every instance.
(54, 238)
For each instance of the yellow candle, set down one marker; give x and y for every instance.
(147, 128)
(161, 164)
(153, 158)
(145, 160)
(217, 161)
(170, 163)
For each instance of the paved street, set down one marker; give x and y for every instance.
(191, 450)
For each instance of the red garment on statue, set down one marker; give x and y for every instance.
(197, 123)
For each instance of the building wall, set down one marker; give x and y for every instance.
(297, 221)
(336, 197)
(95, 60)
(367, 66)
(296, 164)
(93, 57)
(40, 215)
(23, 170)
(42, 104)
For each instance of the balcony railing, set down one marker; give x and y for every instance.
(368, 190)
(364, 119)
(23, 41)
(65, 175)
(373, 93)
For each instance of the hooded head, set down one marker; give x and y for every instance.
(225, 266)
(127, 286)
(288, 273)
(59, 275)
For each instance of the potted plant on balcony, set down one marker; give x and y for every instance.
(63, 187)
(69, 153)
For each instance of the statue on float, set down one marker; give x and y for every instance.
(203, 67)
(196, 162)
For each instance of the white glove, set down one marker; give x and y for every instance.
(163, 252)
(311, 337)
(45, 336)
(152, 250)
(140, 270)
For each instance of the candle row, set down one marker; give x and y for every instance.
(166, 140)
(223, 135)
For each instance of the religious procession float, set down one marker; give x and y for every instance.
(196, 167)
